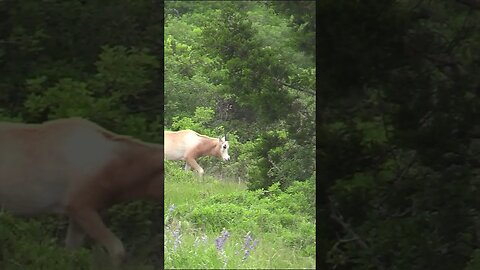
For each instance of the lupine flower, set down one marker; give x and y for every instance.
(219, 244)
(220, 241)
(248, 245)
(245, 254)
(247, 239)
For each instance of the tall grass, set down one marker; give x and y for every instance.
(185, 187)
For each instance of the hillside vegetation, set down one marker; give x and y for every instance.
(257, 229)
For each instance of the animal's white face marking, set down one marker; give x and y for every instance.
(224, 149)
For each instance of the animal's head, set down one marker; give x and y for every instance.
(223, 142)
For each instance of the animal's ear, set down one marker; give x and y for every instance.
(222, 139)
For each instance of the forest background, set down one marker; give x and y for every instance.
(398, 134)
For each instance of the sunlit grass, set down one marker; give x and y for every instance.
(183, 187)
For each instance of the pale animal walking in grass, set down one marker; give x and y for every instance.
(188, 145)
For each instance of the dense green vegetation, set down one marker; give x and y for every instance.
(398, 138)
(100, 60)
(79, 58)
(240, 67)
(246, 68)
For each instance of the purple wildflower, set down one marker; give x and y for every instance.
(247, 239)
(245, 254)
(219, 244)
(248, 245)
(220, 241)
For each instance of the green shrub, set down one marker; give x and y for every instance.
(24, 245)
(273, 211)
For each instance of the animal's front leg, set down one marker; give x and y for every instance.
(187, 167)
(75, 235)
(91, 223)
(191, 162)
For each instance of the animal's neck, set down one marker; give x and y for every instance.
(136, 173)
(208, 147)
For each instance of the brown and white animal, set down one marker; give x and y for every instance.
(188, 145)
(75, 167)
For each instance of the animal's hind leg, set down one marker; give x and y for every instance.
(75, 235)
(187, 167)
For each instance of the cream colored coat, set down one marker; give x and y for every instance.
(188, 145)
(75, 167)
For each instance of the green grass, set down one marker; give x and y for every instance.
(204, 206)
(182, 188)
(27, 243)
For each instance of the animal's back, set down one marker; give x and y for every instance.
(40, 164)
(178, 143)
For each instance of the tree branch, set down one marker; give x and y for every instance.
(337, 216)
(305, 90)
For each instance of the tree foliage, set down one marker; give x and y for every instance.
(56, 61)
(398, 140)
(246, 62)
